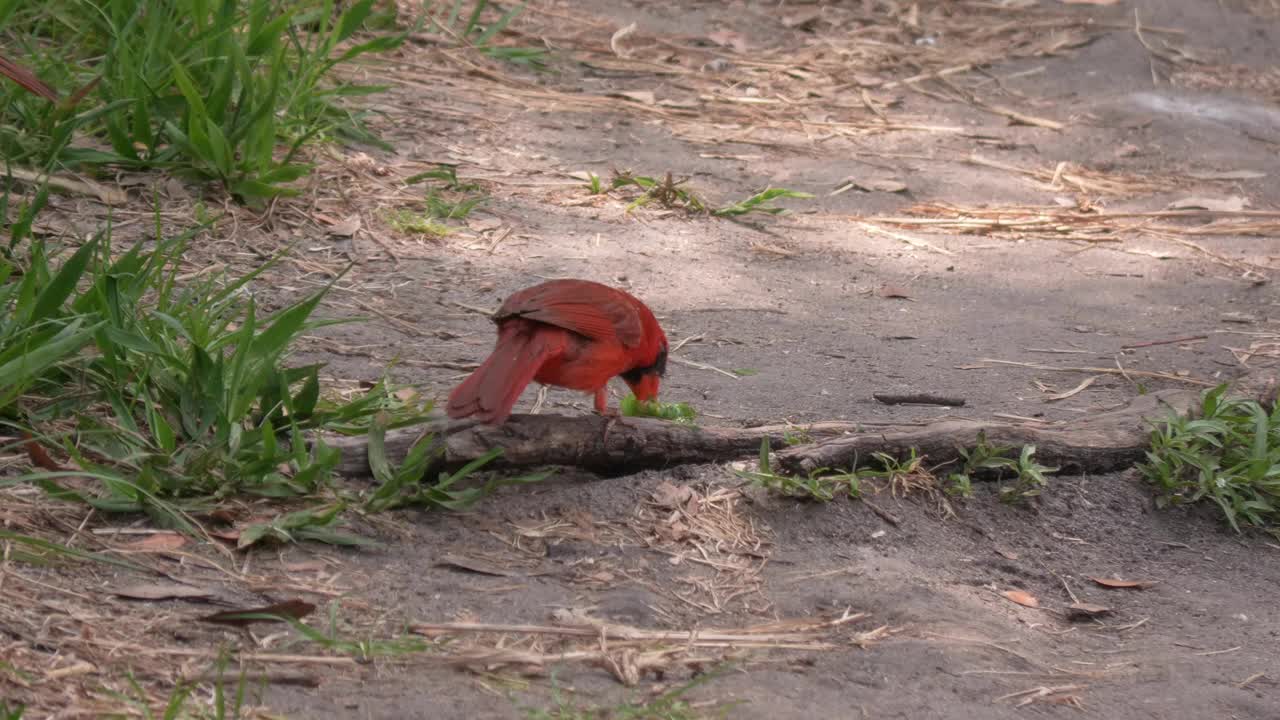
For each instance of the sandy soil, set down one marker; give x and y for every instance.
(801, 301)
(740, 96)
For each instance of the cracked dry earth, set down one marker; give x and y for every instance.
(1030, 182)
(856, 291)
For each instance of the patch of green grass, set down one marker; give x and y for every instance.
(678, 412)
(821, 484)
(595, 185)
(904, 475)
(670, 705)
(797, 436)
(11, 713)
(760, 203)
(673, 194)
(364, 649)
(168, 399)
(960, 485)
(38, 551)
(444, 208)
(183, 703)
(224, 91)
(417, 223)
(468, 29)
(668, 192)
(1029, 480)
(1229, 454)
(1029, 477)
(447, 175)
(403, 486)
(452, 199)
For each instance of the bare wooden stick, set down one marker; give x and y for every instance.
(918, 399)
(1153, 343)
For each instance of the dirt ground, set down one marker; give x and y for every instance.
(854, 292)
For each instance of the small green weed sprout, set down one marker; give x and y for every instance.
(820, 485)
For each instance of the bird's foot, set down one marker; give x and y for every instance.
(611, 417)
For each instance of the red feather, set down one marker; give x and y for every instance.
(574, 334)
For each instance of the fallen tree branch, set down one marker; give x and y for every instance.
(1094, 443)
(632, 444)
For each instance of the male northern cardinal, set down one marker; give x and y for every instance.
(574, 334)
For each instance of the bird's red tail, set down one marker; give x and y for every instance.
(490, 392)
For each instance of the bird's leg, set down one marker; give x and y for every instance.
(611, 417)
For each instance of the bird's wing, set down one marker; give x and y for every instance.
(587, 308)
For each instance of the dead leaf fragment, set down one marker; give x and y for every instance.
(162, 591)
(802, 20)
(885, 185)
(1086, 611)
(296, 609)
(1023, 598)
(159, 542)
(1124, 584)
(644, 97)
(345, 228)
(669, 495)
(765, 248)
(229, 535)
(615, 41)
(1234, 203)
(728, 38)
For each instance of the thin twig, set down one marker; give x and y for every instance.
(701, 366)
(1108, 371)
(1153, 343)
(884, 514)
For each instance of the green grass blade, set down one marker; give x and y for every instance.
(63, 284)
(500, 25)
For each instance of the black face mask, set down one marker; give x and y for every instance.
(657, 367)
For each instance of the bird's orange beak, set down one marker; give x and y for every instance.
(647, 387)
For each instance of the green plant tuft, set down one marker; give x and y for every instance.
(760, 203)
(224, 91)
(821, 484)
(1229, 455)
(168, 399)
(403, 487)
(1029, 477)
(447, 19)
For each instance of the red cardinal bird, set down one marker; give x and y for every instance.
(573, 334)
